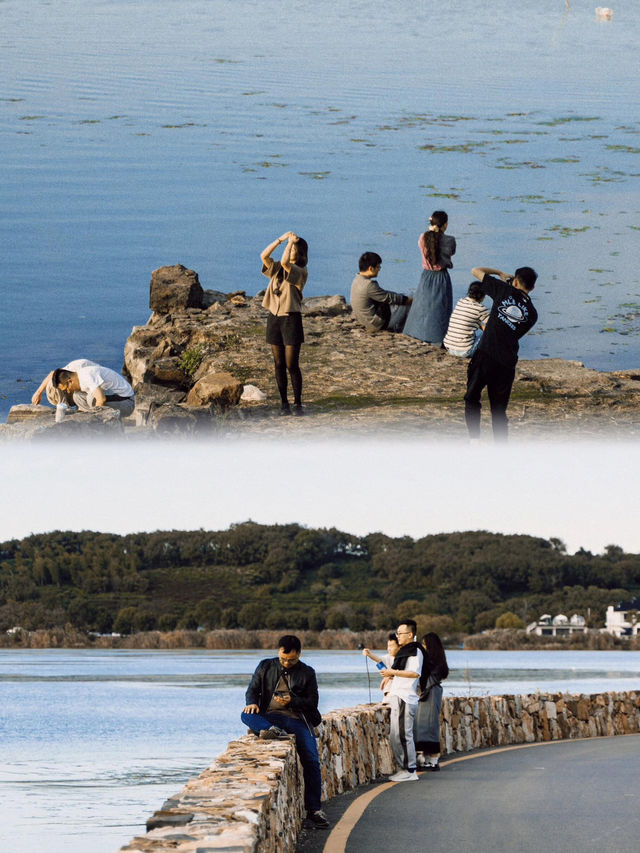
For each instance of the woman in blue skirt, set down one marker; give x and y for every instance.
(433, 302)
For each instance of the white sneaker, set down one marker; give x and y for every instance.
(404, 776)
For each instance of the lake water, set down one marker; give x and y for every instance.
(94, 741)
(137, 133)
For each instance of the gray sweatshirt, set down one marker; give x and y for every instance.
(367, 299)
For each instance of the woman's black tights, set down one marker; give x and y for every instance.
(287, 358)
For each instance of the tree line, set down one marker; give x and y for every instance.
(290, 577)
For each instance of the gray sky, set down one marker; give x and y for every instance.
(584, 494)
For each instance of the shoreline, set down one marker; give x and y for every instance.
(191, 363)
(328, 640)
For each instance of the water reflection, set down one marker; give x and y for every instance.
(119, 157)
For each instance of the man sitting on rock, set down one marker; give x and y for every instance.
(92, 385)
(282, 700)
(376, 309)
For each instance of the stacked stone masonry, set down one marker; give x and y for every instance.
(250, 800)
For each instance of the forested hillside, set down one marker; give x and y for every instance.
(286, 576)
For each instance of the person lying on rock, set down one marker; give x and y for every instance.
(282, 700)
(91, 385)
(376, 309)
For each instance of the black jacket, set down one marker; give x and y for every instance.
(302, 683)
(512, 315)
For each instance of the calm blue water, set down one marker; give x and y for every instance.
(137, 133)
(94, 742)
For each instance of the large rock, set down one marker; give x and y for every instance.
(28, 413)
(150, 396)
(167, 371)
(174, 289)
(177, 419)
(325, 306)
(220, 389)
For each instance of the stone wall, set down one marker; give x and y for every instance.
(249, 801)
(480, 722)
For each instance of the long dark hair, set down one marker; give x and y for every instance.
(432, 238)
(301, 261)
(435, 652)
(303, 252)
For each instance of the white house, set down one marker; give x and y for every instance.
(558, 626)
(623, 619)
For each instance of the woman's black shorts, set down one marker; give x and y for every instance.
(286, 330)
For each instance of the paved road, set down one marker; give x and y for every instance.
(564, 796)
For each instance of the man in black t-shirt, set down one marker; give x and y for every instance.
(493, 365)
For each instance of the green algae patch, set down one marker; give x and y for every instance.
(461, 148)
(555, 122)
(565, 231)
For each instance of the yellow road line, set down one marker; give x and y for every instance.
(337, 840)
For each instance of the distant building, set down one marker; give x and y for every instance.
(558, 626)
(623, 619)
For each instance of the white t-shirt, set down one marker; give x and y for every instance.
(406, 688)
(96, 376)
(77, 363)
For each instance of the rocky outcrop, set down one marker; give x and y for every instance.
(250, 799)
(352, 380)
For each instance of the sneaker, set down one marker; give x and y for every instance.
(319, 819)
(404, 776)
(274, 733)
(298, 411)
(285, 409)
(433, 767)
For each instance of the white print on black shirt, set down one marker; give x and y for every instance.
(512, 313)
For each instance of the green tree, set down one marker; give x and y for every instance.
(509, 620)
(124, 621)
(251, 616)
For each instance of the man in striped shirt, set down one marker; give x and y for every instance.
(466, 323)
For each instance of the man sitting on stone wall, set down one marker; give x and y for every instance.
(376, 309)
(282, 700)
(87, 385)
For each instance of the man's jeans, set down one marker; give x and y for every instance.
(305, 744)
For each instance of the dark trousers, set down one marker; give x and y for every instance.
(486, 372)
(306, 746)
(393, 316)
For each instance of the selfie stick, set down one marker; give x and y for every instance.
(366, 661)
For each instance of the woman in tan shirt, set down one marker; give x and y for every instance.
(283, 299)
